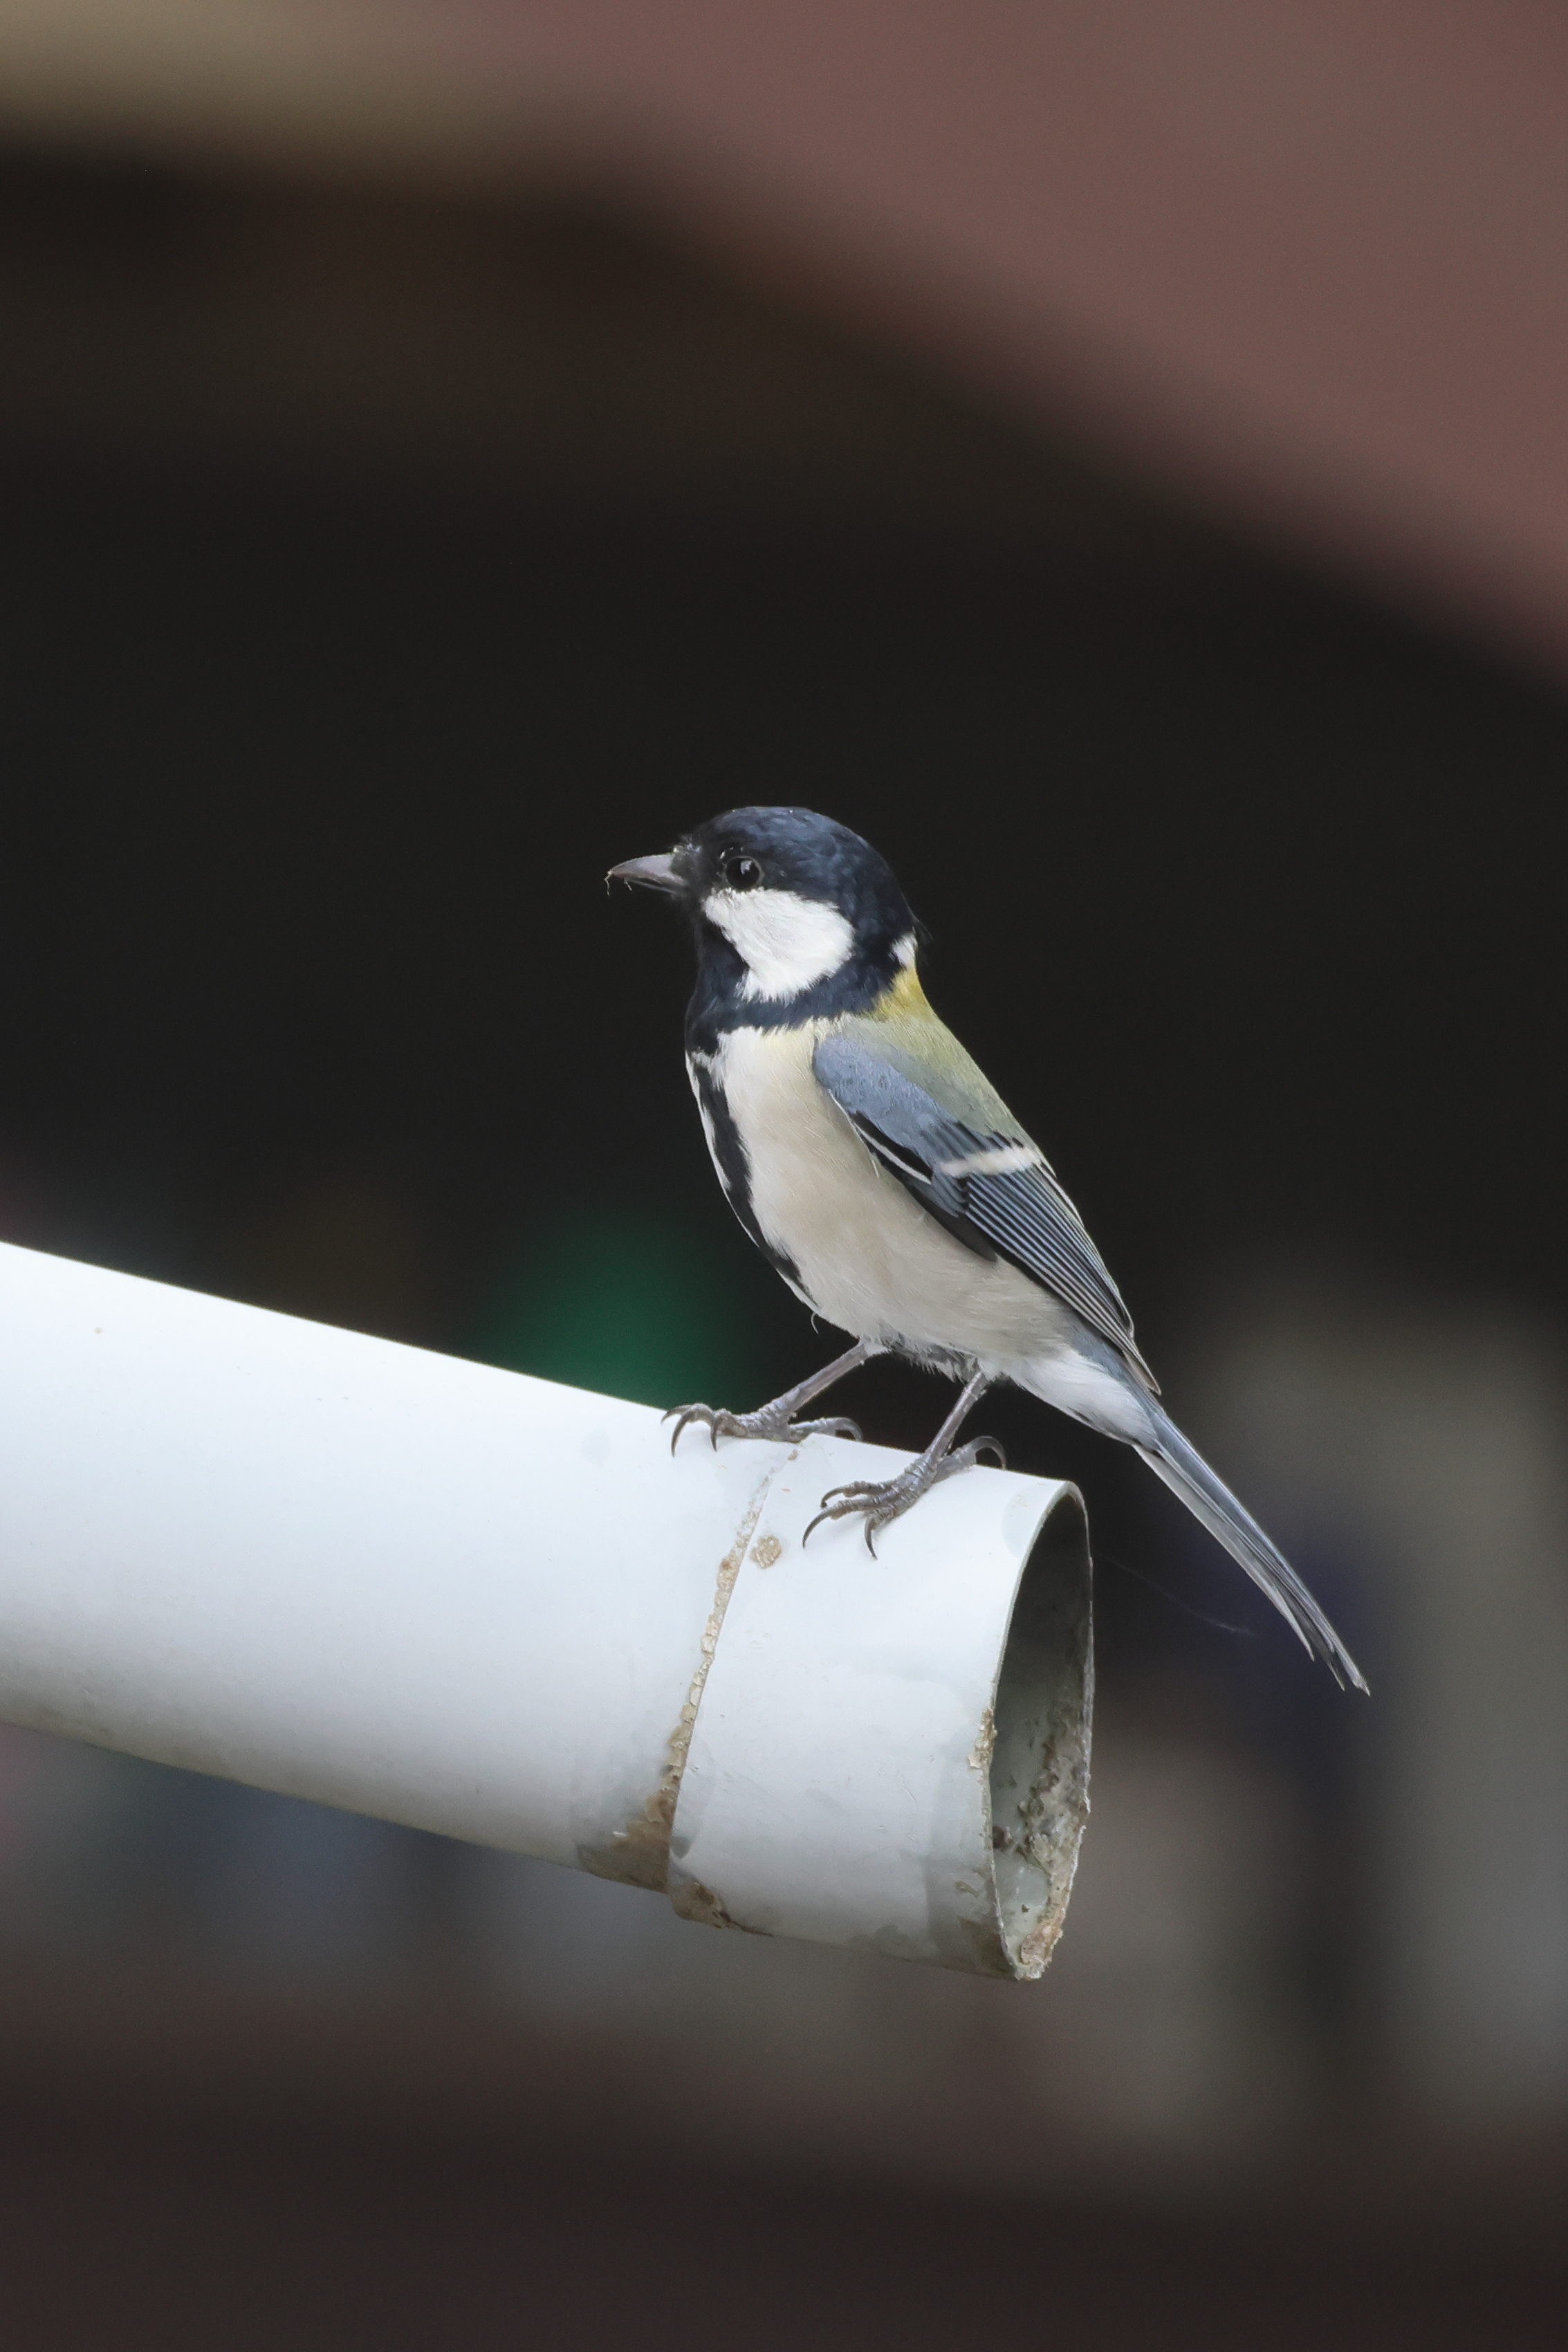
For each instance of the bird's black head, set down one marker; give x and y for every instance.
(796, 916)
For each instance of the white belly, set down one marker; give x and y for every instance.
(869, 1259)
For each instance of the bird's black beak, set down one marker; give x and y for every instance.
(653, 873)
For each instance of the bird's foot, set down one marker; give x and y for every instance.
(884, 1500)
(771, 1421)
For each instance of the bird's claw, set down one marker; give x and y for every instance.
(720, 1423)
(683, 1415)
(886, 1499)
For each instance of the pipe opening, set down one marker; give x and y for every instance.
(1039, 1764)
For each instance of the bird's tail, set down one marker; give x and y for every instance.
(1187, 1474)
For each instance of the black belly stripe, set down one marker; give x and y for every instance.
(733, 1170)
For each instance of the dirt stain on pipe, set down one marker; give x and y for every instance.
(639, 1854)
(699, 1904)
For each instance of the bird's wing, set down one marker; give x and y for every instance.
(980, 1175)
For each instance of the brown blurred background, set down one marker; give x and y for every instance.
(445, 450)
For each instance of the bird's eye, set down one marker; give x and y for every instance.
(742, 873)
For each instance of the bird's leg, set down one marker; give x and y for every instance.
(778, 1420)
(881, 1500)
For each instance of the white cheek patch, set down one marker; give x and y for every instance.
(786, 943)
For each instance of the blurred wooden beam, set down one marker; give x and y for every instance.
(1306, 260)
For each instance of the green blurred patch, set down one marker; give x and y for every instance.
(636, 1306)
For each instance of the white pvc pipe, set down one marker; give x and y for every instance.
(489, 1605)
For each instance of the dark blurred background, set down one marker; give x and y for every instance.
(391, 546)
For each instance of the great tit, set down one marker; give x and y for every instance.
(883, 1176)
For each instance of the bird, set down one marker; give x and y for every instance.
(884, 1179)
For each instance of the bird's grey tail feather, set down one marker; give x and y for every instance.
(1187, 1474)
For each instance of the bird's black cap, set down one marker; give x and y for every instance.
(792, 850)
(813, 855)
